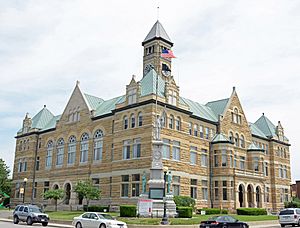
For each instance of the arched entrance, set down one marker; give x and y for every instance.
(68, 193)
(250, 196)
(258, 197)
(55, 187)
(241, 195)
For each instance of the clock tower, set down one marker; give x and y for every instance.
(156, 41)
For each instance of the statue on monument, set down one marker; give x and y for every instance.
(144, 182)
(169, 179)
(158, 126)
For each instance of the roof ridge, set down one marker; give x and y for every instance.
(217, 100)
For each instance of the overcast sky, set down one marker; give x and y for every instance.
(45, 46)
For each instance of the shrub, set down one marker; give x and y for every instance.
(185, 212)
(127, 211)
(213, 211)
(98, 208)
(251, 211)
(184, 201)
(294, 203)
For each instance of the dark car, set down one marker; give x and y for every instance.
(224, 221)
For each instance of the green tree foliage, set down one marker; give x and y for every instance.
(294, 203)
(86, 190)
(55, 194)
(5, 182)
(184, 201)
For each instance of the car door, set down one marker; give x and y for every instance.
(85, 220)
(20, 213)
(25, 213)
(232, 222)
(94, 220)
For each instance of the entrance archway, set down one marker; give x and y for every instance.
(241, 195)
(68, 193)
(258, 197)
(250, 196)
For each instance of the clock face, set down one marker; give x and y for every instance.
(148, 68)
(166, 72)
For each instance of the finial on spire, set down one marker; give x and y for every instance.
(263, 113)
(44, 106)
(133, 77)
(157, 9)
(77, 82)
(233, 88)
(27, 114)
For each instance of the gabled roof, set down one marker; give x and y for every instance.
(42, 118)
(157, 31)
(218, 107)
(200, 110)
(256, 131)
(220, 138)
(253, 147)
(52, 123)
(107, 106)
(93, 101)
(148, 84)
(266, 126)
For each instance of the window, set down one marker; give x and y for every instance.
(286, 195)
(236, 117)
(72, 150)
(84, 148)
(171, 122)
(280, 171)
(242, 162)
(204, 189)
(132, 120)
(126, 149)
(34, 190)
(137, 148)
(172, 97)
(176, 150)
(284, 171)
(204, 160)
(178, 124)
(235, 161)
(20, 166)
(216, 190)
(112, 152)
(60, 152)
(96, 182)
(201, 131)
(98, 145)
(267, 194)
(176, 185)
(49, 154)
(46, 186)
(166, 149)
(195, 130)
(225, 197)
(135, 186)
(164, 119)
(194, 188)
(140, 119)
(207, 133)
(231, 137)
(25, 166)
(131, 96)
(193, 155)
(216, 160)
(37, 164)
(125, 121)
(267, 149)
(236, 140)
(125, 186)
(224, 158)
(256, 164)
(190, 128)
(266, 170)
(242, 141)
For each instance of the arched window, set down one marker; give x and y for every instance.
(60, 152)
(236, 139)
(242, 141)
(125, 122)
(72, 150)
(164, 119)
(132, 119)
(84, 147)
(140, 119)
(178, 124)
(231, 137)
(171, 122)
(98, 145)
(49, 154)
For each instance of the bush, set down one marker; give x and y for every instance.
(184, 201)
(213, 211)
(97, 208)
(251, 211)
(185, 212)
(127, 211)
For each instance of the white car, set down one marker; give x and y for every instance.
(97, 220)
(289, 216)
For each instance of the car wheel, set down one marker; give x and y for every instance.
(16, 220)
(282, 225)
(44, 223)
(224, 226)
(78, 225)
(29, 221)
(244, 226)
(102, 225)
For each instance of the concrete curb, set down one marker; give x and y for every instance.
(49, 224)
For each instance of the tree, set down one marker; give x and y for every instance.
(5, 182)
(85, 189)
(55, 194)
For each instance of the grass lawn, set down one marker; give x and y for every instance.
(69, 215)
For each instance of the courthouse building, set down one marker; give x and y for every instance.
(214, 154)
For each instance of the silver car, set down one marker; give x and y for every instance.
(30, 214)
(289, 216)
(97, 220)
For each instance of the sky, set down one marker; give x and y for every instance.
(46, 46)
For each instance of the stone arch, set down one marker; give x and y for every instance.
(241, 195)
(68, 190)
(250, 194)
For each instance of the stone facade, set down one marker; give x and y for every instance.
(111, 142)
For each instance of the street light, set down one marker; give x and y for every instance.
(164, 220)
(24, 187)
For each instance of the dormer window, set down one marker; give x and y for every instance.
(132, 96)
(172, 97)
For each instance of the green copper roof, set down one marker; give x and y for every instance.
(256, 131)
(266, 126)
(200, 110)
(107, 106)
(220, 138)
(52, 123)
(41, 119)
(93, 101)
(148, 84)
(253, 147)
(218, 106)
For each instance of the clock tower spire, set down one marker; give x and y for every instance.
(156, 41)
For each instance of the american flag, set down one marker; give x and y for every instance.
(167, 54)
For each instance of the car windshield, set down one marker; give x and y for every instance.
(286, 212)
(105, 216)
(35, 210)
(213, 218)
